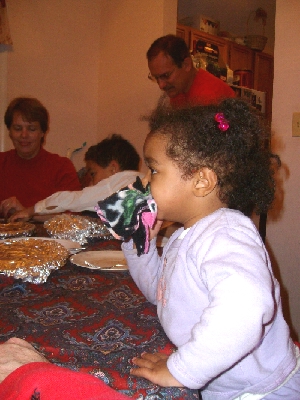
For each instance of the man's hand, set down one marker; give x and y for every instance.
(17, 352)
(154, 368)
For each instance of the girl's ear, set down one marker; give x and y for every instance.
(114, 167)
(204, 182)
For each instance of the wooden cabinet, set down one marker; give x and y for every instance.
(237, 56)
(263, 78)
(184, 32)
(222, 44)
(240, 57)
(192, 35)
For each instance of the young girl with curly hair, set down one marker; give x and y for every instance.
(217, 298)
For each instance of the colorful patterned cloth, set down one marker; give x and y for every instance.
(130, 212)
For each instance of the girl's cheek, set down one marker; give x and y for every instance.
(152, 187)
(147, 178)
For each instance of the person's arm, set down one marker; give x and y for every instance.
(85, 199)
(28, 214)
(25, 373)
(143, 269)
(79, 200)
(58, 202)
(76, 201)
(23, 215)
(10, 206)
(154, 368)
(14, 353)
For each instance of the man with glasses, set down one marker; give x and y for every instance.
(171, 67)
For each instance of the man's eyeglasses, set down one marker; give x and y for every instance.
(163, 77)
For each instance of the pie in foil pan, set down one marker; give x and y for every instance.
(14, 229)
(76, 228)
(31, 259)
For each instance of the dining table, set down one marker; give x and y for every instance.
(89, 320)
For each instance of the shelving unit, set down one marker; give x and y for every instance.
(238, 57)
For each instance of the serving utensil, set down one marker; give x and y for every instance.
(74, 250)
(105, 268)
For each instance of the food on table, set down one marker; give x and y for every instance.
(31, 259)
(76, 228)
(13, 229)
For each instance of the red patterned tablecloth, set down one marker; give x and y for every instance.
(91, 321)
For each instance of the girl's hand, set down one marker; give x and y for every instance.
(154, 368)
(156, 228)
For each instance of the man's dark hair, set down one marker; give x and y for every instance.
(115, 148)
(172, 46)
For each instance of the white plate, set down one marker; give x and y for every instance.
(107, 260)
(68, 244)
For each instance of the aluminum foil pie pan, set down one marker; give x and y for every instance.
(31, 260)
(15, 229)
(76, 228)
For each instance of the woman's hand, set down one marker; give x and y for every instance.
(17, 352)
(10, 206)
(23, 215)
(154, 368)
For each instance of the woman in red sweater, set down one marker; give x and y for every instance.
(29, 173)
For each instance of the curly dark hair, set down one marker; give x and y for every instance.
(114, 147)
(239, 156)
(172, 46)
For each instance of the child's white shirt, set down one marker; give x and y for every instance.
(219, 303)
(87, 198)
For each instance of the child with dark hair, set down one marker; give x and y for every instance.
(217, 298)
(114, 148)
(111, 164)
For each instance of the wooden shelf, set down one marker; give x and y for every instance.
(237, 57)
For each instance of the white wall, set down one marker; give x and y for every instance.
(86, 62)
(54, 58)
(128, 27)
(283, 234)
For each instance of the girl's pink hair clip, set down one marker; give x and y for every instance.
(223, 124)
